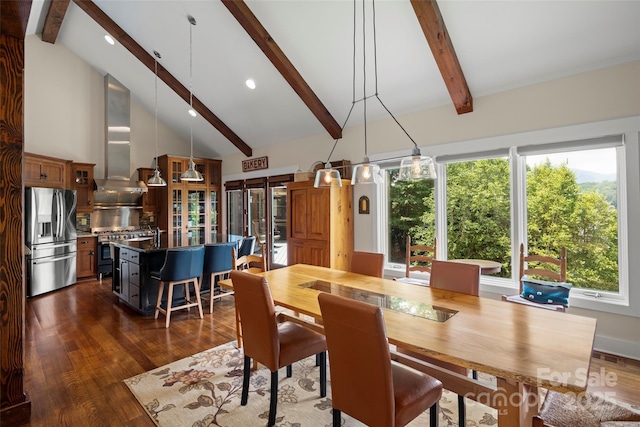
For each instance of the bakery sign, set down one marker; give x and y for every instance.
(255, 164)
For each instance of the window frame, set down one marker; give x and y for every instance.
(627, 301)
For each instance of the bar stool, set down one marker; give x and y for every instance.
(181, 267)
(218, 262)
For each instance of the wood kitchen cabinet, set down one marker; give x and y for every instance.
(44, 171)
(150, 199)
(86, 260)
(82, 182)
(320, 224)
(189, 211)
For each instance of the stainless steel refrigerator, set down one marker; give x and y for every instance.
(50, 236)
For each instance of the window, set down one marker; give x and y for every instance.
(478, 207)
(571, 201)
(411, 212)
(550, 195)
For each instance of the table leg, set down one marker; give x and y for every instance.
(516, 403)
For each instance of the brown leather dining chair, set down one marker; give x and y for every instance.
(365, 383)
(367, 263)
(273, 344)
(455, 277)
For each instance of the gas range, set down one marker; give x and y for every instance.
(126, 234)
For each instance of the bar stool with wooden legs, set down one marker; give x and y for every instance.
(181, 267)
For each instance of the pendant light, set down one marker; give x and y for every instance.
(366, 172)
(191, 174)
(156, 180)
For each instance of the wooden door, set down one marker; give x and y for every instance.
(318, 214)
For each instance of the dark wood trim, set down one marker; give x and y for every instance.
(53, 21)
(14, 16)
(432, 23)
(12, 284)
(270, 48)
(91, 9)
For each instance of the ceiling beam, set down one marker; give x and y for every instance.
(435, 31)
(148, 60)
(265, 42)
(53, 21)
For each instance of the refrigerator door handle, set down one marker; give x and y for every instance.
(53, 259)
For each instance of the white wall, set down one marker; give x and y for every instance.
(64, 112)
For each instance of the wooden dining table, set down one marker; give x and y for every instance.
(523, 347)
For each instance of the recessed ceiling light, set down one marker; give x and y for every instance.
(192, 112)
(109, 39)
(250, 84)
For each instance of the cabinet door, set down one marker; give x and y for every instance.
(54, 173)
(318, 214)
(298, 206)
(32, 172)
(150, 199)
(124, 279)
(82, 176)
(86, 257)
(296, 252)
(317, 253)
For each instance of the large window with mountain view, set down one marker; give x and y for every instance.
(548, 197)
(571, 202)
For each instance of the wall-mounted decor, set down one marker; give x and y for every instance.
(363, 205)
(255, 164)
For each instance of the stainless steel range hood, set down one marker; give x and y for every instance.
(118, 188)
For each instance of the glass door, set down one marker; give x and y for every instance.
(196, 216)
(279, 226)
(256, 214)
(235, 209)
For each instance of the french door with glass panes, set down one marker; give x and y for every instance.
(258, 207)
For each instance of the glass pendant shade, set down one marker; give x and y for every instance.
(416, 167)
(156, 180)
(191, 174)
(366, 173)
(327, 177)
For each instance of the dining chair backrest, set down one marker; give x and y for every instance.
(182, 264)
(251, 263)
(359, 359)
(218, 257)
(419, 257)
(542, 266)
(367, 263)
(257, 311)
(455, 277)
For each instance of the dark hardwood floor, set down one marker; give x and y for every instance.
(81, 342)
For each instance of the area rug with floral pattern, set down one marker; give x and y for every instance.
(204, 390)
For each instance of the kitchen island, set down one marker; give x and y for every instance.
(135, 259)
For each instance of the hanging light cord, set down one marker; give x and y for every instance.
(375, 61)
(192, 22)
(157, 55)
(364, 73)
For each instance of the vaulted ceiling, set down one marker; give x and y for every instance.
(300, 54)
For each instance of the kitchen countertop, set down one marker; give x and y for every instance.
(148, 245)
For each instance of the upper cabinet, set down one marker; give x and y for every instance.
(82, 182)
(189, 211)
(44, 171)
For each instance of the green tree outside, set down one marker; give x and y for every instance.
(559, 212)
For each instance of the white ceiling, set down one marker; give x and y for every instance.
(500, 45)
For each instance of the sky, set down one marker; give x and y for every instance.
(601, 160)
